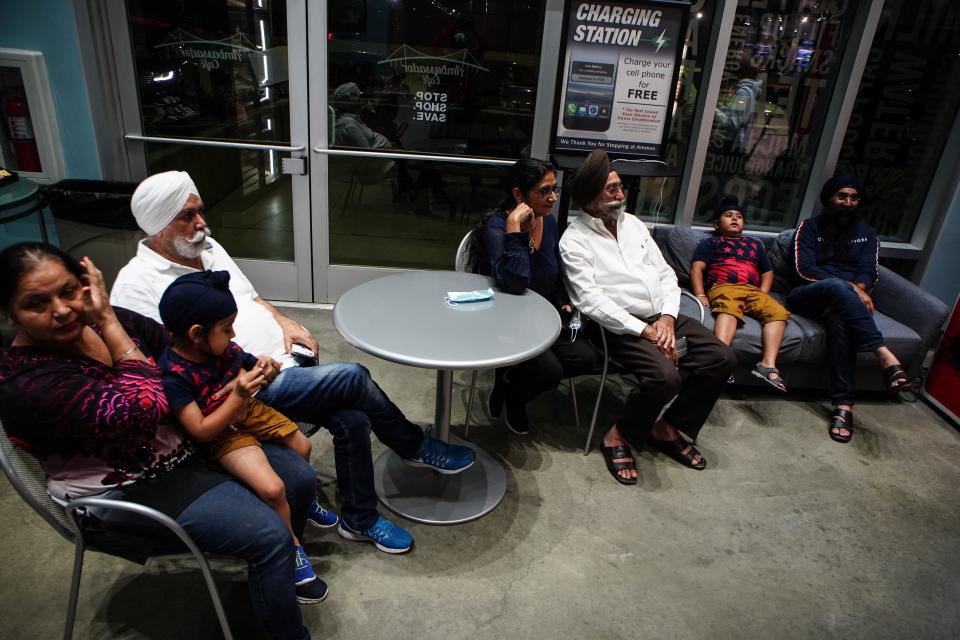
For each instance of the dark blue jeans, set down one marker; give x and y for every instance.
(850, 329)
(230, 520)
(344, 398)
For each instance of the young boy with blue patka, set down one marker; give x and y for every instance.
(210, 382)
(732, 275)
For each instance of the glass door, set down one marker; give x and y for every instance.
(218, 89)
(416, 110)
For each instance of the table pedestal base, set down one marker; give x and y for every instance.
(425, 496)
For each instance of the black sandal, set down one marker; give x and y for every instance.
(763, 373)
(841, 419)
(895, 374)
(610, 455)
(674, 449)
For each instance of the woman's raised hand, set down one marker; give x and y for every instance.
(519, 216)
(96, 302)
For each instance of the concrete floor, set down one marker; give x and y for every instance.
(786, 534)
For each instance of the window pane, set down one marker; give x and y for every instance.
(409, 214)
(779, 75)
(655, 199)
(212, 69)
(247, 201)
(905, 109)
(456, 78)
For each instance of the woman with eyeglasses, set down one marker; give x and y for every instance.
(517, 245)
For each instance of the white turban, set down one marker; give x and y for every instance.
(159, 199)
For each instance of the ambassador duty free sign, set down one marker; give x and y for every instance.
(619, 75)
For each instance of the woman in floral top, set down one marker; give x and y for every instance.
(79, 389)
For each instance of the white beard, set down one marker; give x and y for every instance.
(192, 247)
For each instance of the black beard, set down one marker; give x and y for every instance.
(842, 216)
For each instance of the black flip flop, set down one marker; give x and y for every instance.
(610, 454)
(674, 449)
(892, 374)
(837, 423)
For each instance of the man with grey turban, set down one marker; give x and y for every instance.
(617, 276)
(339, 396)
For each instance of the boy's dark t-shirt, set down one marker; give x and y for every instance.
(185, 381)
(732, 260)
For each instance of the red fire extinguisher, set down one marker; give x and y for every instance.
(22, 139)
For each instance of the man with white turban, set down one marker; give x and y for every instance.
(339, 396)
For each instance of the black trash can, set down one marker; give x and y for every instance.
(96, 202)
(93, 218)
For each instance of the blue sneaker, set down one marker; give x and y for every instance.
(303, 570)
(320, 517)
(312, 592)
(442, 457)
(386, 535)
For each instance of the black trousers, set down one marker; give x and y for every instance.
(544, 372)
(706, 368)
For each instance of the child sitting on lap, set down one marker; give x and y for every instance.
(198, 309)
(736, 274)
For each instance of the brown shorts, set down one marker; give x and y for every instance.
(745, 299)
(263, 423)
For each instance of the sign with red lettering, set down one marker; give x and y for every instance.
(618, 77)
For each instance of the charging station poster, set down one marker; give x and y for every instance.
(618, 77)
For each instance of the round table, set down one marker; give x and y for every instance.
(403, 318)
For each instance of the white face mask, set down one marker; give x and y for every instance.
(193, 246)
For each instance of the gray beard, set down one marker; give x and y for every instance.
(610, 211)
(191, 248)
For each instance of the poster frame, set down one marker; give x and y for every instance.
(560, 85)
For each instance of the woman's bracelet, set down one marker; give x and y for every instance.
(127, 352)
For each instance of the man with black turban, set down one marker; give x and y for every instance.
(617, 276)
(835, 257)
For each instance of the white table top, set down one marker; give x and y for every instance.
(403, 318)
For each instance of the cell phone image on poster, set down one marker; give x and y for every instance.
(588, 103)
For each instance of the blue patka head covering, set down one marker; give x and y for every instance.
(841, 181)
(201, 298)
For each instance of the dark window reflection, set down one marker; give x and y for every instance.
(906, 106)
(655, 199)
(457, 77)
(407, 213)
(779, 74)
(215, 69)
(248, 202)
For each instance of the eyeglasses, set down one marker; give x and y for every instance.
(614, 188)
(843, 197)
(546, 191)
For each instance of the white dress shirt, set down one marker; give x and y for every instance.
(143, 280)
(617, 280)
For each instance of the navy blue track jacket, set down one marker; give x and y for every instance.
(851, 256)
